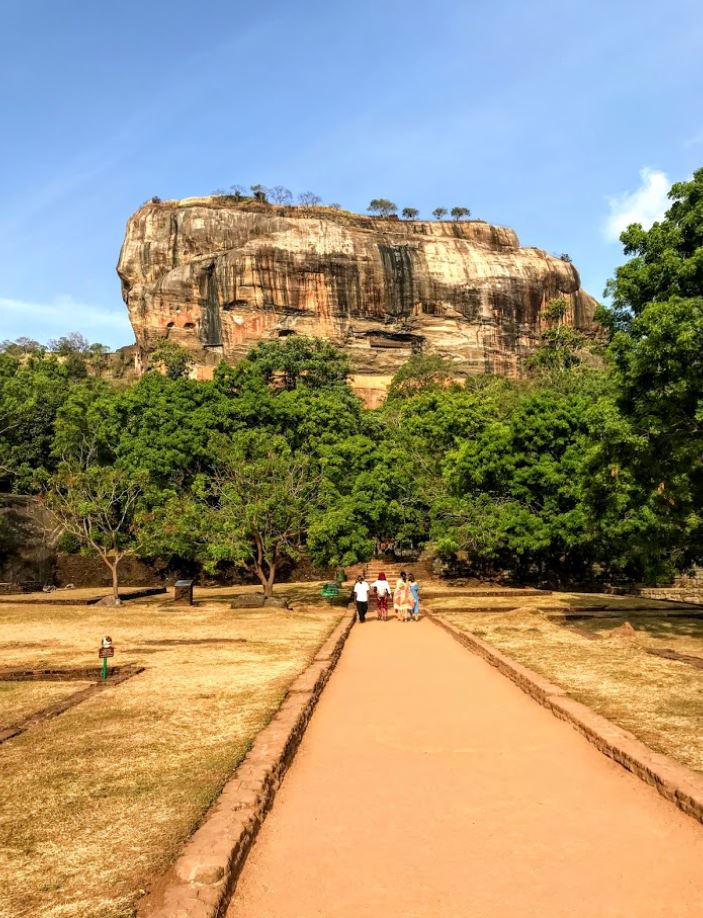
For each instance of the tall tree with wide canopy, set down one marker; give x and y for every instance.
(657, 345)
(99, 507)
(256, 505)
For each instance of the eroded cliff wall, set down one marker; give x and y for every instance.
(218, 276)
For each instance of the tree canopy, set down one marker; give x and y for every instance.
(581, 469)
(383, 207)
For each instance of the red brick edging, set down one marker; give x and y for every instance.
(677, 783)
(201, 881)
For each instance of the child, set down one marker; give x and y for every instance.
(415, 590)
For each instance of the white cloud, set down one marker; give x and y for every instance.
(645, 205)
(61, 316)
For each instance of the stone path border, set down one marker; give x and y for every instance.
(119, 674)
(201, 881)
(668, 654)
(51, 599)
(677, 783)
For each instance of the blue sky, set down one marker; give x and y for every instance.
(562, 120)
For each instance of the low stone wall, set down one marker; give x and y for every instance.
(693, 595)
(677, 783)
(202, 880)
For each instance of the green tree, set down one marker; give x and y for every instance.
(260, 193)
(561, 348)
(523, 474)
(21, 346)
(667, 259)
(420, 372)
(158, 427)
(296, 361)
(32, 391)
(439, 213)
(657, 322)
(310, 418)
(556, 309)
(74, 343)
(258, 501)
(172, 358)
(368, 493)
(98, 506)
(382, 207)
(410, 213)
(460, 213)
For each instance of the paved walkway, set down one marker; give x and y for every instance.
(428, 785)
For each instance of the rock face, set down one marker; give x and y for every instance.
(217, 276)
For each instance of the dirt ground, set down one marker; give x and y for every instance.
(428, 785)
(98, 800)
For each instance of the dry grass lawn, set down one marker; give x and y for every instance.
(20, 699)
(660, 701)
(98, 800)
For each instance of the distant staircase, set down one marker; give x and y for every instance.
(421, 570)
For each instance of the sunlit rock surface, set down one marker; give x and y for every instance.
(217, 277)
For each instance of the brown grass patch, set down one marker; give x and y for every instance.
(20, 699)
(660, 701)
(98, 801)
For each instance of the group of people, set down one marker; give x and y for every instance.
(406, 597)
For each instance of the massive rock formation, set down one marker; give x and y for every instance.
(217, 276)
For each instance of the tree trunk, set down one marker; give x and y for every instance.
(263, 580)
(115, 583)
(268, 586)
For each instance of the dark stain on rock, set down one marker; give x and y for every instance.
(398, 275)
(211, 329)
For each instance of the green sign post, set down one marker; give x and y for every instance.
(106, 650)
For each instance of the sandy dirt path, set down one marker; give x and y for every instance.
(429, 785)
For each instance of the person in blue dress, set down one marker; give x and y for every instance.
(415, 590)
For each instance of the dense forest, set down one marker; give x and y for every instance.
(588, 468)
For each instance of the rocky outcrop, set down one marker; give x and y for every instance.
(217, 276)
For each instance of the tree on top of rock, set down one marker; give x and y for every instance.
(439, 213)
(309, 199)
(279, 194)
(238, 192)
(260, 192)
(382, 207)
(460, 213)
(410, 213)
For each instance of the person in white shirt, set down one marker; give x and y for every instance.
(382, 589)
(361, 595)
